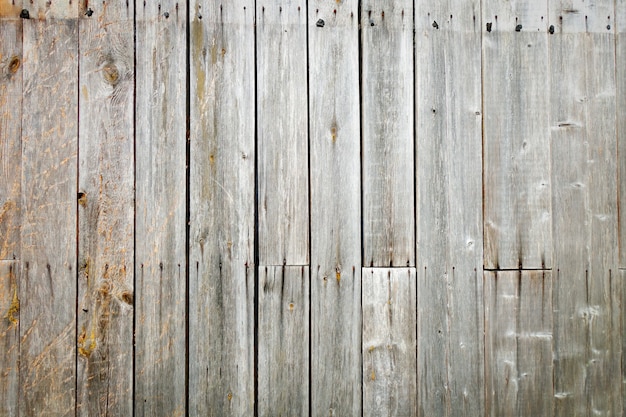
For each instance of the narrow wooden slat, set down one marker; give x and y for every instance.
(283, 344)
(620, 72)
(160, 112)
(221, 296)
(518, 343)
(622, 286)
(49, 175)
(335, 214)
(389, 342)
(388, 133)
(517, 226)
(449, 208)
(587, 356)
(9, 336)
(106, 211)
(283, 196)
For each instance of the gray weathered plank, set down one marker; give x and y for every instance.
(335, 209)
(389, 342)
(283, 341)
(221, 292)
(283, 197)
(517, 227)
(449, 208)
(622, 288)
(620, 72)
(388, 133)
(587, 355)
(9, 336)
(51, 9)
(518, 343)
(160, 113)
(106, 211)
(49, 175)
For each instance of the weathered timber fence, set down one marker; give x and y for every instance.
(322, 207)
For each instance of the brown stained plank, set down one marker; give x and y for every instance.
(221, 296)
(389, 342)
(10, 137)
(9, 336)
(283, 341)
(388, 134)
(106, 212)
(160, 112)
(10, 9)
(49, 175)
(518, 343)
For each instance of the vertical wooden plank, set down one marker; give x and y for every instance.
(518, 343)
(9, 337)
(335, 209)
(517, 227)
(587, 354)
(283, 196)
(106, 210)
(620, 72)
(389, 342)
(49, 176)
(160, 208)
(283, 344)
(449, 208)
(388, 133)
(221, 296)
(622, 287)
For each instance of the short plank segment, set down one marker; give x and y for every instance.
(388, 133)
(47, 290)
(283, 341)
(51, 9)
(106, 210)
(283, 175)
(518, 343)
(517, 226)
(9, 336)
(389, 342)
(160, 209)
(335, 209)
(221, 292)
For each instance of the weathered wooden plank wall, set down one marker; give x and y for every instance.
(292, 207)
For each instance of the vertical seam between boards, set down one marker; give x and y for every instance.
(187, 194)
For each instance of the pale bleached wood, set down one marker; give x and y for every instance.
(389, 342)
(518, 343)
(388, 134)
(47, 290)
(449, 208)
(221, 296)
(50, 9)
(283, 197)
(620, 72)
(283, 341)
(335, 210)
(160, 112)
(517, 224)
(9, 335)
(105, 211)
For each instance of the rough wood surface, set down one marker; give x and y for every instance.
(160, 209)
(388, 133)
(620, 72)
(106, 211)
(221, 293)
(518, 343)
(51, 9)
(283, 341)
(517, 226)
(335, 208)
(47, 290)
(9, 336)
(389, 342)
(283, 195)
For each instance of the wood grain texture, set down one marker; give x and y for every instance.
(283, 174)
(51, 9)
(10, 138)
(620, 72)
(335, 208)
(389, 342)
(283, 341)
(221, 296)
(9, 336)
(106, 211)
(160, 209)
(518, 343)
(47, 290)
(388, 133)
(517, 226)
(449, 208)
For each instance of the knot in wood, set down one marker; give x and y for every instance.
(111, 74)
